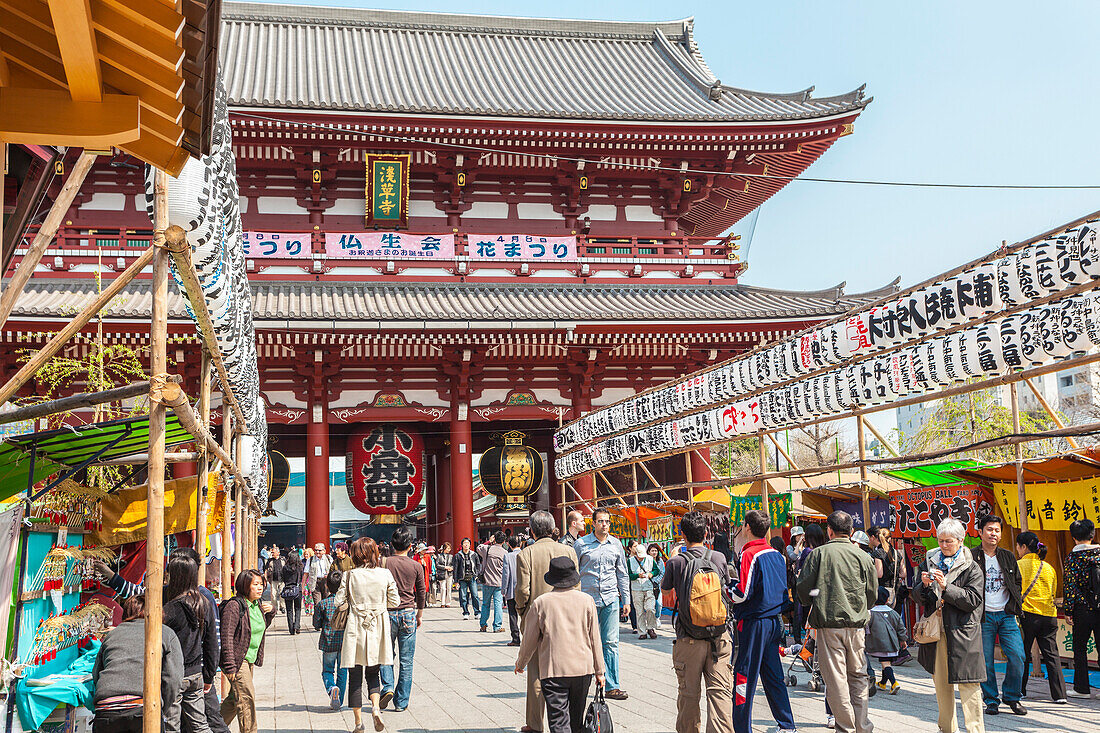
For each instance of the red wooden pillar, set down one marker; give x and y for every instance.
(317, 470)
(700, 465)
(443, 498)
(551, 479)
(431, 501)
(462, 474)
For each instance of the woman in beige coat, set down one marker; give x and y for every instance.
(369, 591)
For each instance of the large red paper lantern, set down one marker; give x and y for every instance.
(385, 469)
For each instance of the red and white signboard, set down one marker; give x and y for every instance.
(284, 245)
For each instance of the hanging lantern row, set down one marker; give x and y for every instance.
(1039, 270)
(1030, 338)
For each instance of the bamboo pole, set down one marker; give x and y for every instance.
(1021, 499)
(201, 498)
(637, 514)
(656, 483)
(140, 459)
(45, 236)
(763, 455)
(688, 475)
(885, 443)
(77, 401)
(62, 337)
(239, 492)
(964, 388)
(787, 458)
(226, 543)
(611, 487)
(864, 485)
(154, 543)
(1050, 411)
(172, 396)
(180, 250)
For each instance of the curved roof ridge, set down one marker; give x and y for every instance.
(853, 98)
(449, 22)
(686, 63)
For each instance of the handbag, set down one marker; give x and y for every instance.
(291, 592)
(339, 620)
(1033, 582)
(929, 629)
(598, 717)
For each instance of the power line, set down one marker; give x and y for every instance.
(763, 176)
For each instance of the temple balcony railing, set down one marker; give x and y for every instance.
(79, 249)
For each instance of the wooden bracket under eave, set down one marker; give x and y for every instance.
(51, 117)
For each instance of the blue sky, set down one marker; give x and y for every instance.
(973, 92)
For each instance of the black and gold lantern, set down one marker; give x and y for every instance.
(512, 472)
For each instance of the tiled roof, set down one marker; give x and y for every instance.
(348, 301)
(381, 61)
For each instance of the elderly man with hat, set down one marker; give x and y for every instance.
(563, 628)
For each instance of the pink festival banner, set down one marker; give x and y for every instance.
(385, 245)
(521, 247)
(277, 244)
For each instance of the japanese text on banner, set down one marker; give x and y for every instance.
(917, 512)
(277, 244)
(521, 247)
(390, 245)
(779, 507)
(1051, 506)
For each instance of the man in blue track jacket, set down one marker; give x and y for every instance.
(758, 599)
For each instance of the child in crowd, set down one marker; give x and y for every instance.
(885, 632)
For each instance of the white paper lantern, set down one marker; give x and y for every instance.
(1073, 325)
(987, 339)
(1012, 340)
(935, 362)
(1088, 244)
(857, 334)
(917, 373)
(1008, 281)
(1031, 338)
(1025, 269)
(1049, 320)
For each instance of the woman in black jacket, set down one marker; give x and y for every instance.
(954, 581)
(292, 575)
(191, 617)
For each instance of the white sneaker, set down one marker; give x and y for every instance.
(466, 616)
(830, 722)
(1075, 693)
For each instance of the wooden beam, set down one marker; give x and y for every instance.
(72, 24)
(62, 337)
(1021, 499)
(76, 401)
(864, 486)
(1050, 411)
(140, 459)
(50, 117)
(656, 483)
(201, 498)
(176, 241)
(885, 443)
(154, 543)
(172, 396)
(787, 458)
(45, 233)
(611, 486)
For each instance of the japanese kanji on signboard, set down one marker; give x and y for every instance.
(385, 469)
(388, 190)
(917, 512)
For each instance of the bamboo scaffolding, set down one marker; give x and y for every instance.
(77, 401)
(201, 493)
(171, 395)
(45, 236)
(1021, 498)
(239, 492)
(139, 459)
(154, 544)
(865, 487)
(885, 443)
(71, 328)
(1050, 411)
(786, 457)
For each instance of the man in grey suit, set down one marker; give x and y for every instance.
(532, 563)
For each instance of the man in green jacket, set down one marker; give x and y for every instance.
(838, 581)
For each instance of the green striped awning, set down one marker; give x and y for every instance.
(52, 451)
(932, 474)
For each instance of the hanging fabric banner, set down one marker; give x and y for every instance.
(917, 512)
(661, 530)
(390, 245)
(521, 247)
(283, 245)
(388, 190)
(1051, 506)
(779, 507)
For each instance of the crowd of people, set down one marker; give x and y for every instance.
(842, 591)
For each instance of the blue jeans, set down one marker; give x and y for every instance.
(467, 591)
(999, 623)
(403, 634)
(330, 661)
(492, 596)
(609, 634)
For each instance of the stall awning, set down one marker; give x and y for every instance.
(1036, 470)
(70, 449)
(932, 474)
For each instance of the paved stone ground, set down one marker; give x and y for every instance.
(463, 682)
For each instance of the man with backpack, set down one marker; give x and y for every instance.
(702, 650)
(758, 598)
(1081, 601)
(830, 583)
